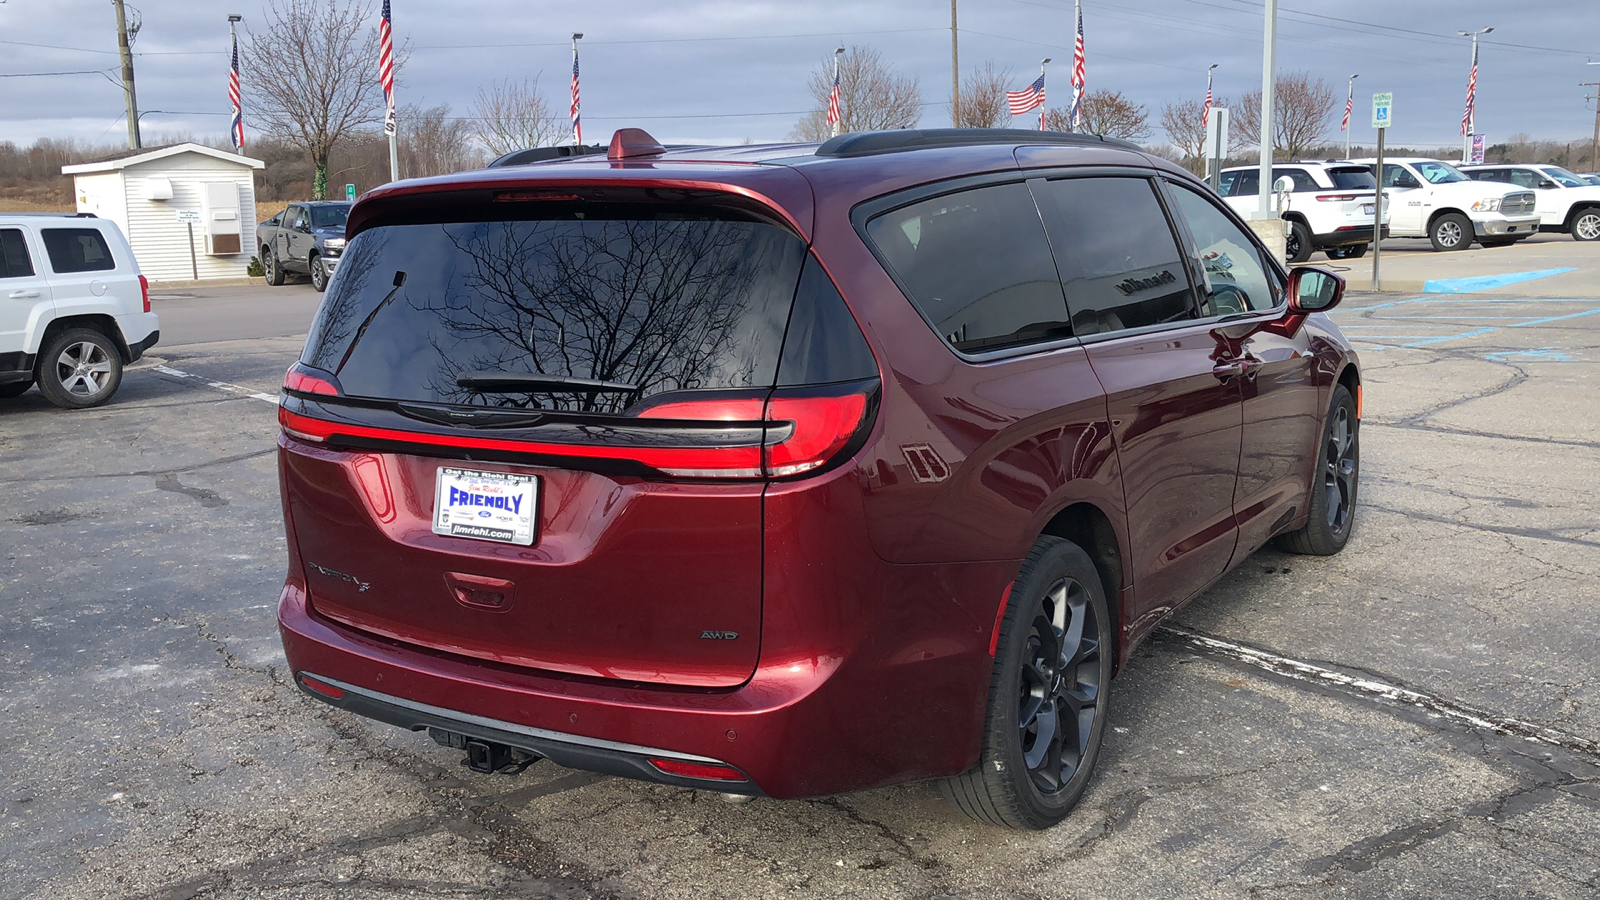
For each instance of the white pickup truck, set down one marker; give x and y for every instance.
(1433, 199)
(1565, 201)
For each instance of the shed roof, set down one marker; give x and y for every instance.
(151, 154)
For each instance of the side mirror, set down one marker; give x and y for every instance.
(1546, 185)
(1284, 185)
(1314, 290)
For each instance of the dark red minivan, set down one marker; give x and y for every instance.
(793, 470)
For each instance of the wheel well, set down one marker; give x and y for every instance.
(1085, 525)
(1578, 210)
(1296, 217)
(101, 323)
(1351, 379)
(1445, 212)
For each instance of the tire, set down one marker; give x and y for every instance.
(1333, 492)
(1297, 243)
(269, 259)
(79, 368)
(1053, 656)
(319, 275)
(1451, 231)
(15, 389)
(1348, 251)
(1586, 224)
(1498, 242)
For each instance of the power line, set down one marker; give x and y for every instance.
(45, 74)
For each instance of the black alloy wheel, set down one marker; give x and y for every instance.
(1333, 494)
(1049, 694)
(1297, 241)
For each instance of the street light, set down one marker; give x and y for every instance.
(1349, 108)
(838, 124)
(1472, 84)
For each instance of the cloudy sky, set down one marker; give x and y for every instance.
(727, 70)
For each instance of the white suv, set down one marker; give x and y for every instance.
(1566, 202)
(1433, 199)
(1329, 207)
(73, 308)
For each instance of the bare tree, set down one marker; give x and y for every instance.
(1301, 111)
(312, 76)
(1181, 121)
(434, 143)
(1105, 112)
(871, 96)
(983, 99)
(513, 115)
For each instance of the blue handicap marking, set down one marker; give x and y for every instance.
(1543, 354)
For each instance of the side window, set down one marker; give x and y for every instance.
(1524, 178)
(277, 219)
(1236, 281)
(977, 265)
(14, 260)
(298, 218)
(1301, 178)
(77, 250)
(1395, 176)
(1226, 182)
(1119, 261)
(1247, 185)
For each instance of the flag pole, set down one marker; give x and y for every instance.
(1469, 120)
(1042, 63)
(237, 99)
(1077, 67)
(577, 120)
(386, 77)
(1349, 104)
(836, 109)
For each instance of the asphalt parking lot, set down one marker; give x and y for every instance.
(1418, 717)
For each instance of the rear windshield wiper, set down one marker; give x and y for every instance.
(515, 382)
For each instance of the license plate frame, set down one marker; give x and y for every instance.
(501, 507)
(1368, 209)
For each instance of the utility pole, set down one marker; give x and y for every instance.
(1269, 78)
(127, 77)
(1472, 96)
(955, 72)
(1594, 147)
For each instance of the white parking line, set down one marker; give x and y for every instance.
(219, 385)
(1382, 690)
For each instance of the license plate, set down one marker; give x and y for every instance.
(487, 506)
(1367, 208)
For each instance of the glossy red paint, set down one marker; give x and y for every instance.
(862, 595)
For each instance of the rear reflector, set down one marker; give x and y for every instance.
(326, 690)
(705, 771)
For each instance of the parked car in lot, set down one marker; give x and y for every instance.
(1590, 177)
(306, 238)
(798, 469)
(1433, 199)
(1565, 201)
(1329, 207)
(75, 308)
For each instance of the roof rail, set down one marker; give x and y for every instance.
(53, 215)
(544, 154)
(868, 143)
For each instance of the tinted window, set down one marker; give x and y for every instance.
(329, 216)
(1225, 183)
(1301, 178)
(77, 250)
(823, 343)
(654, 296)
(1119, 262)
(977, 265)
(1247, 184)
(1487, 175)
(1236, 281)
(14, 260)
(1350, 178)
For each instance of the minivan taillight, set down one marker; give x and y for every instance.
(803, 432)
(306, 380)
(144, 291)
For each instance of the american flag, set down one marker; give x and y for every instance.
(1205, 111)
(835, 115)
(1077, 75)
(236, 130)
(577, 122)
(386, 66)
(1349, 104)
(1472, 91)
(1029, 98)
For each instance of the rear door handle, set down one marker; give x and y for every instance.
(24, 295)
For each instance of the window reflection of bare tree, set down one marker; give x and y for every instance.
(650, 302)
(346, 303)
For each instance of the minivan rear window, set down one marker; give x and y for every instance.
(654, 296)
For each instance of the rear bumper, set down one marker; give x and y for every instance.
(1505, 226)
(1349, 234)
(570, 750)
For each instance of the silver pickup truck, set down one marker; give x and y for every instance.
(306, 238)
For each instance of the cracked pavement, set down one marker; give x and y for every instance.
(157, 749)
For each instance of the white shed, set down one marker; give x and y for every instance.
(156, 194)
